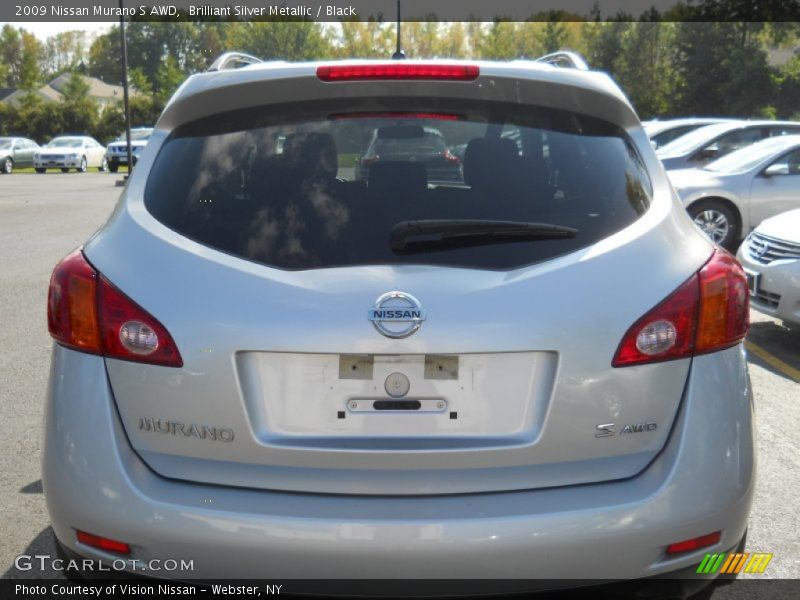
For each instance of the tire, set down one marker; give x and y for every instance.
(84, 166)
(113, 167)
(104, 165)
(40, 170)
(718, 221)
(7, 166)
(65, 169)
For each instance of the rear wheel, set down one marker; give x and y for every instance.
(718, 221)
(40, 170)
(7, 166)
(65, 169)
(114, 167)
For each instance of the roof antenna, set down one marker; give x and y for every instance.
(398, 53)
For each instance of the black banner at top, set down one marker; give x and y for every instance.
(412, 10)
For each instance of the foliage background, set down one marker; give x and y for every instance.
(672, 64)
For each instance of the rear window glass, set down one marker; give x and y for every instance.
(323, 185)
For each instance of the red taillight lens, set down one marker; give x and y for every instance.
(724, 317)
(72, 304)
(666, 332)
(130, 333)
(392, 71)
(695, 543)
(96, 541)
(708, 312)
(86, 312)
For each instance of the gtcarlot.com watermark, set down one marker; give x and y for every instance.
(44, 562)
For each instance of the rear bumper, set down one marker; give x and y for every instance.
(701, 482)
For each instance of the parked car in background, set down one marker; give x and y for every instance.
(662, 133)
(67, 152)
(117, 151)
(16, 152)
(387, 376)
(771, 258)
(730, 196)
(708, 143)
(411, 142)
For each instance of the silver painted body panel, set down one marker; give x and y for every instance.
(493, 494)
(217, 307)
(703, 481)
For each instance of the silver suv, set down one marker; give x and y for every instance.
(276, 370)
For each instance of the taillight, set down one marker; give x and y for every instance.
(724, 317)
(393, 71)
(130, 333)
(86, 312)
(72, 304)
(708, 312)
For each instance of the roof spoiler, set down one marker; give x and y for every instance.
(233, 60)
(565, 58)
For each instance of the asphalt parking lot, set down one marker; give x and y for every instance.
(43, 217)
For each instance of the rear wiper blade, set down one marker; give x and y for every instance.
(427, 233)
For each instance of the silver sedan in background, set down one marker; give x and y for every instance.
(16, 152)
(662, 133)
(711, 142)
(771, 258)
(730, 196)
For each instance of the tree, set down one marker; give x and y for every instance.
(168, 78)
(281, 40)
(80, 111)
(717, 75)
(499, 41)
(553, 36)
(104, 58)
(63, 52)
(10, 55)
(644, 67)
(30, 73)
(363, 39)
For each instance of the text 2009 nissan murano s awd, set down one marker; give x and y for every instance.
(275, 369)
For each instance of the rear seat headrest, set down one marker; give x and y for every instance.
(311, 155)
(488, 161)
(397, 177)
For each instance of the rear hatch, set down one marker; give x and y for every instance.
(248, 235)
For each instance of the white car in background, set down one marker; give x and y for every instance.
(730, 196)
(711, 142)
(771, 257)
(117, 151)
(662, 133)
(67, 152)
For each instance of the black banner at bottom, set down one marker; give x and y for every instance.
(744, 589)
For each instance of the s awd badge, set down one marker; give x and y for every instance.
(609, 429)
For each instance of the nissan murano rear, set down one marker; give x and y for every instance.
(289, 355)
